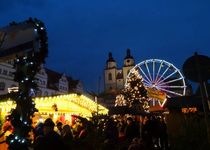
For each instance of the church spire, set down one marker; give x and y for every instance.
(111, 63)
(128, 60)
(110, 59)
(128, 54)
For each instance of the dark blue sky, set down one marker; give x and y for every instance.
(82, 32)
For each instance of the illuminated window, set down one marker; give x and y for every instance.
(110, 76)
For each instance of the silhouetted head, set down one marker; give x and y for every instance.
(48, 126)
(59, 125)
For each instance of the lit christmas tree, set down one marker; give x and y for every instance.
(120, 100)
(135, 92)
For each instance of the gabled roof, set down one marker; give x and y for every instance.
(72, 83)
(53, 80)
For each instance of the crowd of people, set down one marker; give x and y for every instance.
(150, 134)
(121, 133)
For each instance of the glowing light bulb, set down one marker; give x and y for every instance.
(23, 141)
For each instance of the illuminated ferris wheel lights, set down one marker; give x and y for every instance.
(171, 92)
(172, 86)
(161, 105)
(162, 76)
(171, 81)
(168, 77)
(148, 71)
(145, 75)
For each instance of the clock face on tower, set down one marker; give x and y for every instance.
(129, 62)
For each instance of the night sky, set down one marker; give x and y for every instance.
(82, 32)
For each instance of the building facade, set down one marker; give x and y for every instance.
(114, 77)
(49, 82)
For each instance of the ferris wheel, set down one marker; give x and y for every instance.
(161, 76)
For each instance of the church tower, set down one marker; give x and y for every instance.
(129, 63)
(110, 74)
(115, 78)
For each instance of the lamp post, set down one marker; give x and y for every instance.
(96, 101)
(196, 68)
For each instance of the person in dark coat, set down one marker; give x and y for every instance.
(59, 127)
(51, 140)
(147, 133)
(111, 135)
(67, 136)
(38, 131)
(131, 130)
(163, 135)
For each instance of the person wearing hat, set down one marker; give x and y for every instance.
(51, 140)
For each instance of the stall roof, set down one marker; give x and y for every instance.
(183, 102)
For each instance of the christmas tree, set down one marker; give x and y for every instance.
(134, 92)
(120, 100)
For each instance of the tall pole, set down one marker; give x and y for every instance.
(96, 98)
(96, 101)
(203, 96)
(206, 94)
(99, 85)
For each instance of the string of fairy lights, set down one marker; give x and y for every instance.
(26, 68)
(134, 91)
